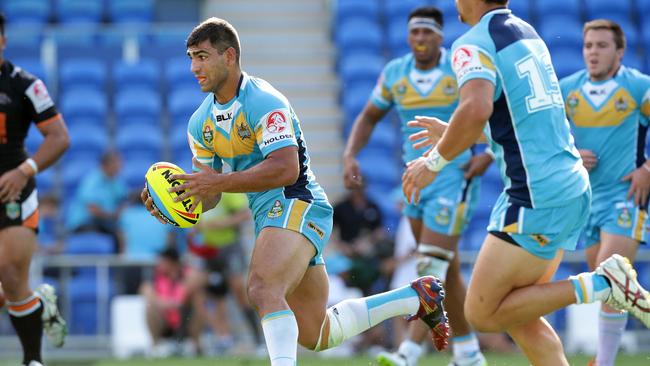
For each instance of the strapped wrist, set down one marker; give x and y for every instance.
(434, 161)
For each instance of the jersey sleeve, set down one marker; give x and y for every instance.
(275, 130)
(201, 150)
(381, 96)
(644, 83)
(39, 102)
(472, 62)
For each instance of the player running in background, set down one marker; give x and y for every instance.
(506, 77)
(608, 106)
(249, 125)
(23, 99)
(423, 83)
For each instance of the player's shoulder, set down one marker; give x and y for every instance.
(397, 67)
(477, 37)
(573, 80)
(258, 97)
(202, 113)
(632, 75)
(19, 77)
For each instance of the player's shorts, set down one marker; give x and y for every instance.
(445, 209)
(313, 220)
(541, 231)
(23, 212)
(615, 215)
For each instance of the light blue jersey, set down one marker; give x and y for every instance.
(610, 118)
(546, 200)
(446, 205)
(242, 133)
(528, 130)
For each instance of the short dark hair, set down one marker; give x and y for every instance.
(221, 34)
(428, 12)
(500, 2)
(615, 28)
(2, 23)
(171, 254)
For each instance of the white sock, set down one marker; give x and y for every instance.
(351, 317)
(590, 287)
(466, 348)
(281, 335)
(411, 350)
(610, 330)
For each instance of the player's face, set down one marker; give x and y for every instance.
(208, 66)
(601, 56)
(424, 43)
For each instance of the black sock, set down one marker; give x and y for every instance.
(29, 329)
(254, 323)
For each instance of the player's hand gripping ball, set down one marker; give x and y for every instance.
(174, 213)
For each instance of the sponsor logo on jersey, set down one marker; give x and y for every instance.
(276, 138)
(316, 229)
(540, 239)
(276, 122)
(442, 217)
(276, 210)
(208, 134)
(38, 95)
(621, 105)
(449, 88)
(12, 210)
(243, 131)
(223, 117)
(624, 219)
(465, 60)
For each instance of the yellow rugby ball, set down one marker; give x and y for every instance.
(158, 179)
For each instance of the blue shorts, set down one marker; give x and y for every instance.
(313, 220)
(445, 210)
(615, 215)
(542, 231)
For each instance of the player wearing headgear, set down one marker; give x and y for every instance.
(608, 106)
(247, 124)
(423, 83)
(506, 77)
(24, 99)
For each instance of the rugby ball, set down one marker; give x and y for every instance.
(158, 180)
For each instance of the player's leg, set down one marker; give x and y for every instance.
(612, 322)
(235, 270)
(502, 296)
(17, 244)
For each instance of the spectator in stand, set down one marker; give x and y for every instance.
(168, 307)
(99, 200)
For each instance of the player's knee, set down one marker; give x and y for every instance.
(434, 261)
(479, 320)
(262, 291)
(12, 276)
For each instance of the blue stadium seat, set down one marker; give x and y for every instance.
(355, 98)
(360, 67)
(34, 139)
(131, 12)
(183, 158)
(134, 169)
(522, 9)
(83, 293)
(380, 169)
(182, 102)
(167, 43)
(178, 74)
(81, 73)
(89, 243)
(561, 31)
(74, 169)
(25, 42)
(453, 30)
(608, 8)
(345, 9)
(47, 181)
(360, 35)
(567, 60)
(136, 141)
(84, 102)
(400, 9)
(144, 72)
(550, 8)
(87, 141)
(94, 122)
(632, 60)
(79, 11)
(178, 140)
(138, 102)
(27, 12)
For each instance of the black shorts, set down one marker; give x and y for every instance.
(229, 262)
(23, 212)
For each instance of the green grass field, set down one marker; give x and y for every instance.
(494, 360)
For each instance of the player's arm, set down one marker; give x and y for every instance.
(56, 141)
(640, 177)
(362, 128)
(464, 129)
(432, 130)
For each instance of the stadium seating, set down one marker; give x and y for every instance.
(561, 31)
(84, 102)
(358, 67)
(182, 102)
(34, 13)
(344, 9)
(140, 73)
(89, 243)
(140, 141)
(607, 8)
(33, 66)
(138, 102)
(83, 73)
(79, 11)
(552, 8)
(131, 12)
(25, 42)
(360, 34)
(134, 169)
(178, 74)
